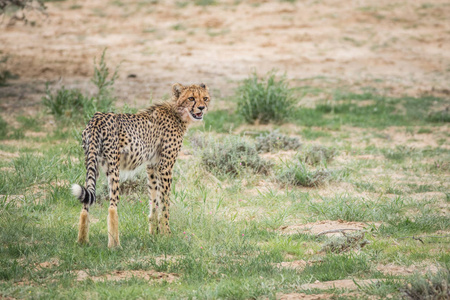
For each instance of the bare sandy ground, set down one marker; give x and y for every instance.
(400, 45)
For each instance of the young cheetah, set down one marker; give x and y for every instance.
(125, 142)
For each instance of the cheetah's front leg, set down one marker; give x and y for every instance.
(164, 186)
(113, 217)
(153, 200)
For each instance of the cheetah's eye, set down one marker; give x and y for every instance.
(191, 99)
(205, 99)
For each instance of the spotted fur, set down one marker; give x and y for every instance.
(125, 142)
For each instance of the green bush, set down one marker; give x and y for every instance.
(317, 154)
(65, 102)
(297, 173)
(232, 156)
(275, 141)
(264, 100)
(3, 129)
(433, 286)
(73, 104)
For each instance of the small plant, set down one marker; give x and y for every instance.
(65, 103)
(200, 141)
(3, 129)
(297, 173)
(232, 156)
(442, 116)
(275, 141)
(317, 155)
(399, 153)
(7, 6)
(101, 74)
(433, 286)
(205, 2)
(71, 103)
(345, 243)
(4, 73)
(264, 100)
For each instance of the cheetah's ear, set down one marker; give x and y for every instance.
(203, 86)
(177, 89)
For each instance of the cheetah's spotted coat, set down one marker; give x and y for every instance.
(153, 138)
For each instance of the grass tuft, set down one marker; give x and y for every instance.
(297, 173)
(433, 286)
(345, 243)
(317, 155)
(232, 156)
(275, 141)
(3, 129)
(264, 99)
(70, 104)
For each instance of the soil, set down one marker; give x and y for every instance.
(339, 284)
(392, 269)
(124, 275)
(322, 226)
(347, 284)
(157, 43)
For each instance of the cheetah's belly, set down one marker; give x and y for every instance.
(133, 163)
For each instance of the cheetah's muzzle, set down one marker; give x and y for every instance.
(197, 116)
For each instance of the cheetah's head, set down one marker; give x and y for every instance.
(192, 101)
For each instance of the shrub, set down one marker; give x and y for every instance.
(3, 128)
(264, 100)
(71, 103)
(232, 156)
(66, 102)
(317, 155)
(275, 141)
(297, 173)
(4, 73)
(7, 6)
(345, 243)
(442, 116)
(433, 286)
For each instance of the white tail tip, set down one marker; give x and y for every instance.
(77, 190)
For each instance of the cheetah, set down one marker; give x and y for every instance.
(123, 142)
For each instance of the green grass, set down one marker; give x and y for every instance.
(265, 99)
(275, 141)
(377, 111)
(230, 200)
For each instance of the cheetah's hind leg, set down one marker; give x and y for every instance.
(83, 227)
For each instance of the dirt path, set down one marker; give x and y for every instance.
(353, 41)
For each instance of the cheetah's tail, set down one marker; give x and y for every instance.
(84, 195)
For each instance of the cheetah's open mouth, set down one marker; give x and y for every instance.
(197, 116)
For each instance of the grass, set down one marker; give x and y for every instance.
(265, 99)
(275, 141)
(232, 156)
(298, 174)
(370, 109)
(229, 201)
(433, 286)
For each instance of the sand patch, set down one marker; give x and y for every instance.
(298, 265)
(8, 155)
(16, 199)
(295, 296)
(322, 226)
(54, 262)
(149, 275)
(392, 269)
(279, 155)
(338, 284)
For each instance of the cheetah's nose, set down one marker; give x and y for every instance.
(201, 107)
